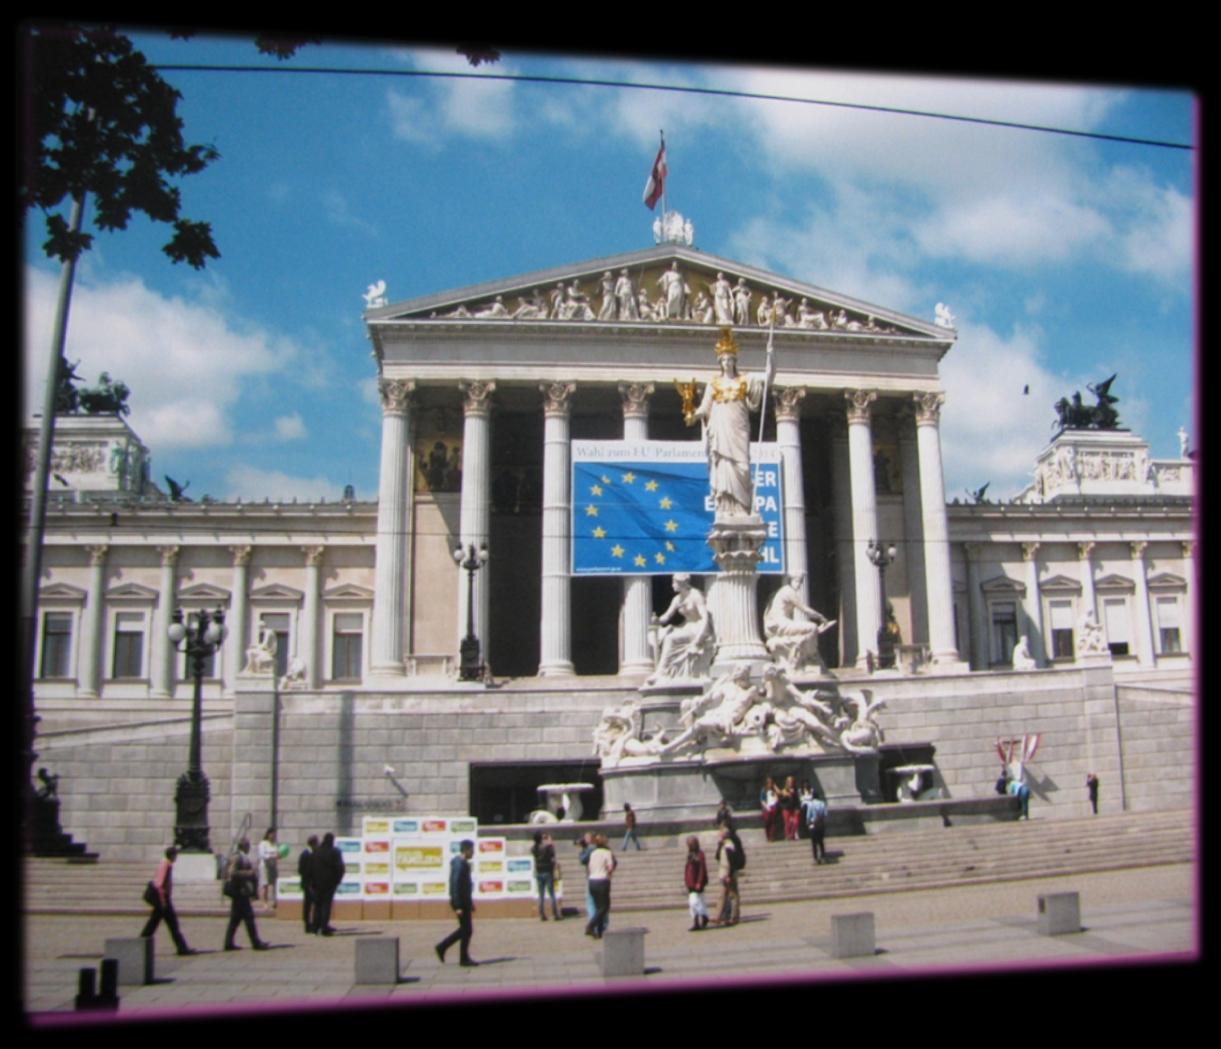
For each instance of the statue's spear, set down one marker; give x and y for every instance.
(767, 378)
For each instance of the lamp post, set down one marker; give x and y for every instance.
(883, 558)
(470, 665)
(203, 638)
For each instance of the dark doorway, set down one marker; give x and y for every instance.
(508, 792)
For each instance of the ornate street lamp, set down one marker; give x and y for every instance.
(883, 558)
(471, 665)
(203, 638)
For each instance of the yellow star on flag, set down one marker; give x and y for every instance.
(671, 526)
(595, 489)
(591, 510)
(650, 486)
(605, 479)
(629, 478)
(660, 558)
(599, 532)
(616, 550)
(639, 561)
(669, 546)
(666, 503)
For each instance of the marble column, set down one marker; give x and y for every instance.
(312, 614)
(976, 611)
(864, 520)
(637, 590)
(93, 624)
(474, 517)
(161, 650)
(235, 644)
(939, 585)
(1034, 604)
(393, 534)
(845, 559)
(1189, 607)
(1085, 553)
(555, 643)
(1144, 620)
(913, 528)
(788, 437)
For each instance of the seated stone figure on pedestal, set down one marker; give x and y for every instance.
(1022, 659)
(790, 640)
(1091, 640)
(721, 713)
(861, 734)
(686, 649)
(261, 656)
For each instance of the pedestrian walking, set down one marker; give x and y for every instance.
(309, 893)
(159, 894)
(543, 852)
(601, 867)
(729, 862)
(695, 881)
(816, 822)
(1091, 784)
(790, 808)
(461, 899)
(724, 816)
(586, 844)
(629, 824)
(328, 870)
(241, 886)
(769, 801)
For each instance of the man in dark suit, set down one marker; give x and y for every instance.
(309, 894)
(461, 899)
(327, 872)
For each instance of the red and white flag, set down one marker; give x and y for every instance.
(656, 185)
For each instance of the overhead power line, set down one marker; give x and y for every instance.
(677, 88)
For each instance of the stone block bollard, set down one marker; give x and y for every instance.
(377, 960)
(852, 935)
(623, 952)
(135, 958)
(1059, 913)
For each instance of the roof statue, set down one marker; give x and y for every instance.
(375, 295)
(1074, 415)
(106, 398)
(943, 317)
(672, 228)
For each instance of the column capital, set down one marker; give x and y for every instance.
(477, 397)
(241, 555)
(1189, 547)
(1030, 551)
(1085, 550)
(635, 399)
(557, 398)
(972, 551)
(313, 554)
(169, 555)
(97, 554)
(1138, 549)
(927, 407)
(859, 404)
(788, 403)
(396, 395)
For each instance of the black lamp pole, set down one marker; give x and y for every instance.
(883, 558)
(470, 665)
(191, 796)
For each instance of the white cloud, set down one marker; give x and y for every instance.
(339, 213)
(291, 427)
(185, 361)
(472, 108)
(1157, 237)
(251, 483)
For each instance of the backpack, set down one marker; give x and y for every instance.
(737, 858)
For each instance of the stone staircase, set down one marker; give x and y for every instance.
(897, 861)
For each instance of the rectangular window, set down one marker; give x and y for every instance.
(346, 646)
(56, 644)
(1118, 625)
(1168, 626)
(280, 624)
(129, 645)
(1004, 632)
(1062, 629)
(188, 670)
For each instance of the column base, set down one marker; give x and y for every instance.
(948, 663)
(556, 669)
(637, 669)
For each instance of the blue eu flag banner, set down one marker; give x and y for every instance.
(644, 507)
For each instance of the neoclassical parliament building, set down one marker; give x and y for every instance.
(484, 391)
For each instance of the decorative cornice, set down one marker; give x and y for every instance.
(396, 395)
(557, 398)
(635, 397)
(788, 403)
(859, 402)
(928, 408)
(477, 397)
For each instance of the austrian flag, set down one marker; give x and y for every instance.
(656, 185)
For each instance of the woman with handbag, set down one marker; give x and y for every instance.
(241, 886)
(158, 894)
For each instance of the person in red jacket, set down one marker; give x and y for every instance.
(695, 879)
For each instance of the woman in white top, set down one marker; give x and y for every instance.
(601, 867)
(268, 855)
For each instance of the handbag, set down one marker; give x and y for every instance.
(151, 896)
(556, 873)
(228, 890)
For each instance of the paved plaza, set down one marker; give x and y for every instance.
(1146, 914)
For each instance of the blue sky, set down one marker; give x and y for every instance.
(1063, 259)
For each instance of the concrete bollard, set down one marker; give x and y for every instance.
(623, 952)
(86, 995)
(135, 958)
(377, 960)
(1059, 913)
(852, 935)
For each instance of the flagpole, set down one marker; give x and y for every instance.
(767, 374)
(665, 160)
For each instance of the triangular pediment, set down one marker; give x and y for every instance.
(1060, 584)
(1167, 581)
(207, 592)
(277, 592)
(60, 592)
(131, 592)
(1001, 584)
(1114, 582)
(348, 592)
(591, 293)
